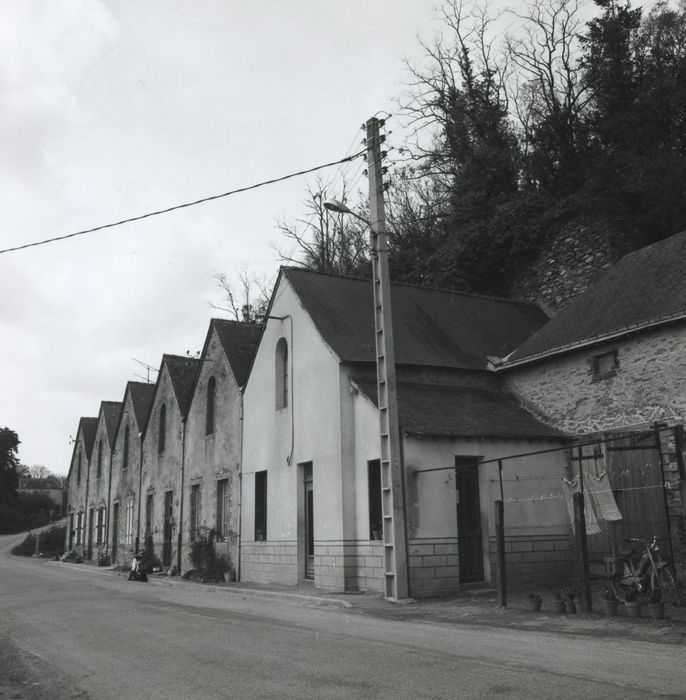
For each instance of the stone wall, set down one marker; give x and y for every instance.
(566, 265)
(270, 562)
(649, 384)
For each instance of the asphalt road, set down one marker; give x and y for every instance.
(99, 636)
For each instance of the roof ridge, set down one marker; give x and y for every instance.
(412, 285)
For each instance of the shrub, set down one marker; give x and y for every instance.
(51, 543)
(207, 564)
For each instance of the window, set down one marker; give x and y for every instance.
(100, 527)
(195, 511)
(79, 528)
(209, 415)
(261, 506)
(604, 365)
(78, 468)
(126, 447)
(375, 509)
(99, 467)
(222, 524)
(281, 375)
(161, 437)
(128, 536)
(148, 517)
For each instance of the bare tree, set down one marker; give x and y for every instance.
(38, 471)
(247, 298)
(323, 240)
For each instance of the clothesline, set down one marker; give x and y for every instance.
(553, 496)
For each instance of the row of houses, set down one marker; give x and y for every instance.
(271, 436)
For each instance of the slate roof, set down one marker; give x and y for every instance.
(239, 341)
(88, 428)
(142, 395)
(111, 411)
(182, 374)
(644, 287)
(431, 327)
(461, 411)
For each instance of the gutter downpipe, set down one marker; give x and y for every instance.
(85, 507)
(179, 535)
(240, 485)
(109, 505)
(140, 488)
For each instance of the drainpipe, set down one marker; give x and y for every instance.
(240, 483)
(140, 489)
(109, 505)
(179, 536)
(85, 514)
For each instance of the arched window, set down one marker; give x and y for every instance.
(163, 427)
(209, 415)
(78, 468)
(281, 374)
(126, 447)
(99, 471)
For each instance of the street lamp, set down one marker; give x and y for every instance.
(396, 584)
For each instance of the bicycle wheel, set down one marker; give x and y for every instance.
(621, 589)
(668, 587)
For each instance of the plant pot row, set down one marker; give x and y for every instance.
(656, 611)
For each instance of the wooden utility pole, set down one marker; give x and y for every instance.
(392, 471)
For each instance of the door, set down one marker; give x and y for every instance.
(71, 532)
(469, 544)
(115, 532)
(309, 521)
(168, 521)
(89, 552)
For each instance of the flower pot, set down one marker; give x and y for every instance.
(558, 606)
(533, 604)
(633, 608)
(610, 607)
(656, 611)
(571, 606)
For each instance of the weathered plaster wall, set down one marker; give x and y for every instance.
(125, 483)
(533, 507)
(161, 472)
(98, 496)
(309, 428)
(76, 496)
(210, 458)
(649, 384)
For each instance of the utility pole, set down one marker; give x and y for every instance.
(392, 468)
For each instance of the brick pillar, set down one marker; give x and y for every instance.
(672, 459)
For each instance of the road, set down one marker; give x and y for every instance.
(100, 636)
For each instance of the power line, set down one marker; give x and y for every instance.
(183, 206)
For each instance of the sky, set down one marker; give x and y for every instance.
(111, 109)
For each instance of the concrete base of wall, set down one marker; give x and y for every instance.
(535, 559)
(434, 566)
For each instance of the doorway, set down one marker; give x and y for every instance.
(115, 532)
(309, 520)
(469, 542)
(89, 548)
(168, 523)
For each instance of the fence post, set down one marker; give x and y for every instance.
(500, 552)
(580, 529)
(37, 543)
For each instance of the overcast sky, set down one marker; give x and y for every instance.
(112, 109)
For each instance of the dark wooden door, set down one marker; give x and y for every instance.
(469, 540)
(115, 532)
(168, 522)
(309, 522)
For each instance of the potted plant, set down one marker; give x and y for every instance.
(656, 606)
(572, 598)
(610, 603)
(558, 602)
(534, 602)
(632, 603)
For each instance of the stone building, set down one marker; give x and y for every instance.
(78, 484)
(213, 435)
(126, 472)
(99, 481)
(158, 511)
(311, 500)
(612, 365)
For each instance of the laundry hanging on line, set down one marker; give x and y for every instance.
(603, 499)
(570, 487)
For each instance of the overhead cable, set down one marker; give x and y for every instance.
(185, 205)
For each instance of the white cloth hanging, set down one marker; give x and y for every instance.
(570, 488)
(600, 490)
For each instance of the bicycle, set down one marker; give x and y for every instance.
(650, 577)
